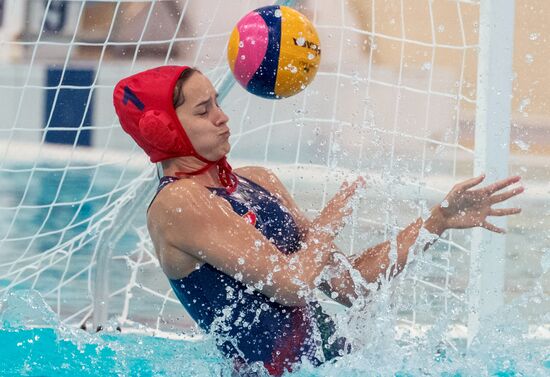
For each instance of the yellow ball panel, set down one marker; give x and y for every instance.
(300, 53)
(233, 48)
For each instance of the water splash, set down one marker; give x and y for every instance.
(35, 342)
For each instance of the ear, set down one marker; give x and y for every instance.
(159, 130)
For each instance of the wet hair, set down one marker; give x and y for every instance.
(178, 99)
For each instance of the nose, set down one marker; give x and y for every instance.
(221, 117)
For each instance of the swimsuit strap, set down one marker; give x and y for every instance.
(163, 182)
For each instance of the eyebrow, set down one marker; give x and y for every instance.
(204, 102)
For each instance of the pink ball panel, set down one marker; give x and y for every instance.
(253, 34)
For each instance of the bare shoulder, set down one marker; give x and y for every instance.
(174, 194)
(263, 176)
(253, 171)
(180, 195)
(268, 179)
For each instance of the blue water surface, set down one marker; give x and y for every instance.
(44, 352)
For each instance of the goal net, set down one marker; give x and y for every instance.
(394, 100)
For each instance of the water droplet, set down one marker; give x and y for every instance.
(241, 44)
(534, 36)
(529, 59)
(521, 145)
(241, 261)
(523, 104)
(444, 204)
(243, 57)
(426, 66)
(310, 56)
(441, 28)
(300, 41)
(278, 13)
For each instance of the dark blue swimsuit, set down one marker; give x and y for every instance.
(248, 326)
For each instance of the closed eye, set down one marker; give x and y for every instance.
(202, 111)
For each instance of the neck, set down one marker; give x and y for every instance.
(181, 165)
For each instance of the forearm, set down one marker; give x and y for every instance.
(375, 261)
(337, 282)
(313, 257)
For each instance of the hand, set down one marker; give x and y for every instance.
(464, 207)
(331, 218)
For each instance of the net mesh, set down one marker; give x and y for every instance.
(393, 100)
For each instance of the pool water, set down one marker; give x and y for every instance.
(35, 343)
(44, 352)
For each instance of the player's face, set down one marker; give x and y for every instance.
(203, 120)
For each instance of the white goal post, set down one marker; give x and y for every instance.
(492, 134)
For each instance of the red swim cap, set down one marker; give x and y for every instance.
(144, 105)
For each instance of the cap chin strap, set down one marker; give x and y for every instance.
(225, 173)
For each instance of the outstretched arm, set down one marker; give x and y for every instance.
(374, 262)
(463, 207)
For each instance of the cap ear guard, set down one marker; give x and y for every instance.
(159, 131)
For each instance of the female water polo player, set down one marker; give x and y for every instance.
(238, 252)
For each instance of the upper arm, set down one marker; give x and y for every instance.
(206, 227)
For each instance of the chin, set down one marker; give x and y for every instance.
(217, 152)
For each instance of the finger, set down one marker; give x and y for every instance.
(350, 190)
(339, 200)
(504, 211)
(359, 181)
(499, 185)
(506, 195)
(469, 183)
(342, 192)
(346, 212)
(487, 225)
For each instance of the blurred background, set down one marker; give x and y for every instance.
(78, 35)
